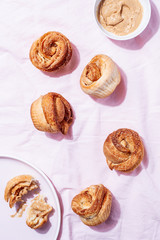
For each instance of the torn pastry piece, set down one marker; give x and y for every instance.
(38, 212)
(93, 204)
(100, 77)
(123, 150)
(51, 51)
(17, 187)
(52, 113)
(19, 212)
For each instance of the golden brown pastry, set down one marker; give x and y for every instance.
(38, 212)
(100, 77)
(123, 149)
(93, 204)
(51, 113)
(51, 51)
(17, 187)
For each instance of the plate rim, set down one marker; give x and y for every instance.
(49, 183)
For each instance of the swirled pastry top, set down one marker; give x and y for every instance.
(93, 204)
(100, 77)
(120, 17)
(123, 149)
(51, 51)
(52, 113)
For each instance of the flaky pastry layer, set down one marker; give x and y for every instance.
(17, 187)
(93, 204)
(124, 150)
(52, 113)
(100, 77)
(51, 51)
(38, 212)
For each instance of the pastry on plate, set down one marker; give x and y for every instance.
(52, 113)
(17, 187)
(123, 150)
(38, 212)
(51, 51)
(100, 77)
(93, 204)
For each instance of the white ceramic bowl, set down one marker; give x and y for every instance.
(145, 20)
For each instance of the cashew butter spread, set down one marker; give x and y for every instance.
(120, 17)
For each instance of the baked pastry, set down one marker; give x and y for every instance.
(124, 150)
(17, 187)
(51, 113)
(100, 77)
(93, 204)
(51, 51)
(38, 212)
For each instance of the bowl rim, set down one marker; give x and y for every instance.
(128, 36)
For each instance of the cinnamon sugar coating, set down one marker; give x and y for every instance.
(51, 51)
(100, 77)
(93, 204)
(124, 150)
(52, 113)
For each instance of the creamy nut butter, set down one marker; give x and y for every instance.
(120, 17)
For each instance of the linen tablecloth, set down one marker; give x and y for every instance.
(76, 161)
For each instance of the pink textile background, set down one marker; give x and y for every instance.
(76, 161)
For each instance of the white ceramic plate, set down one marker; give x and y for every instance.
(16, 228)
(145, 20)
